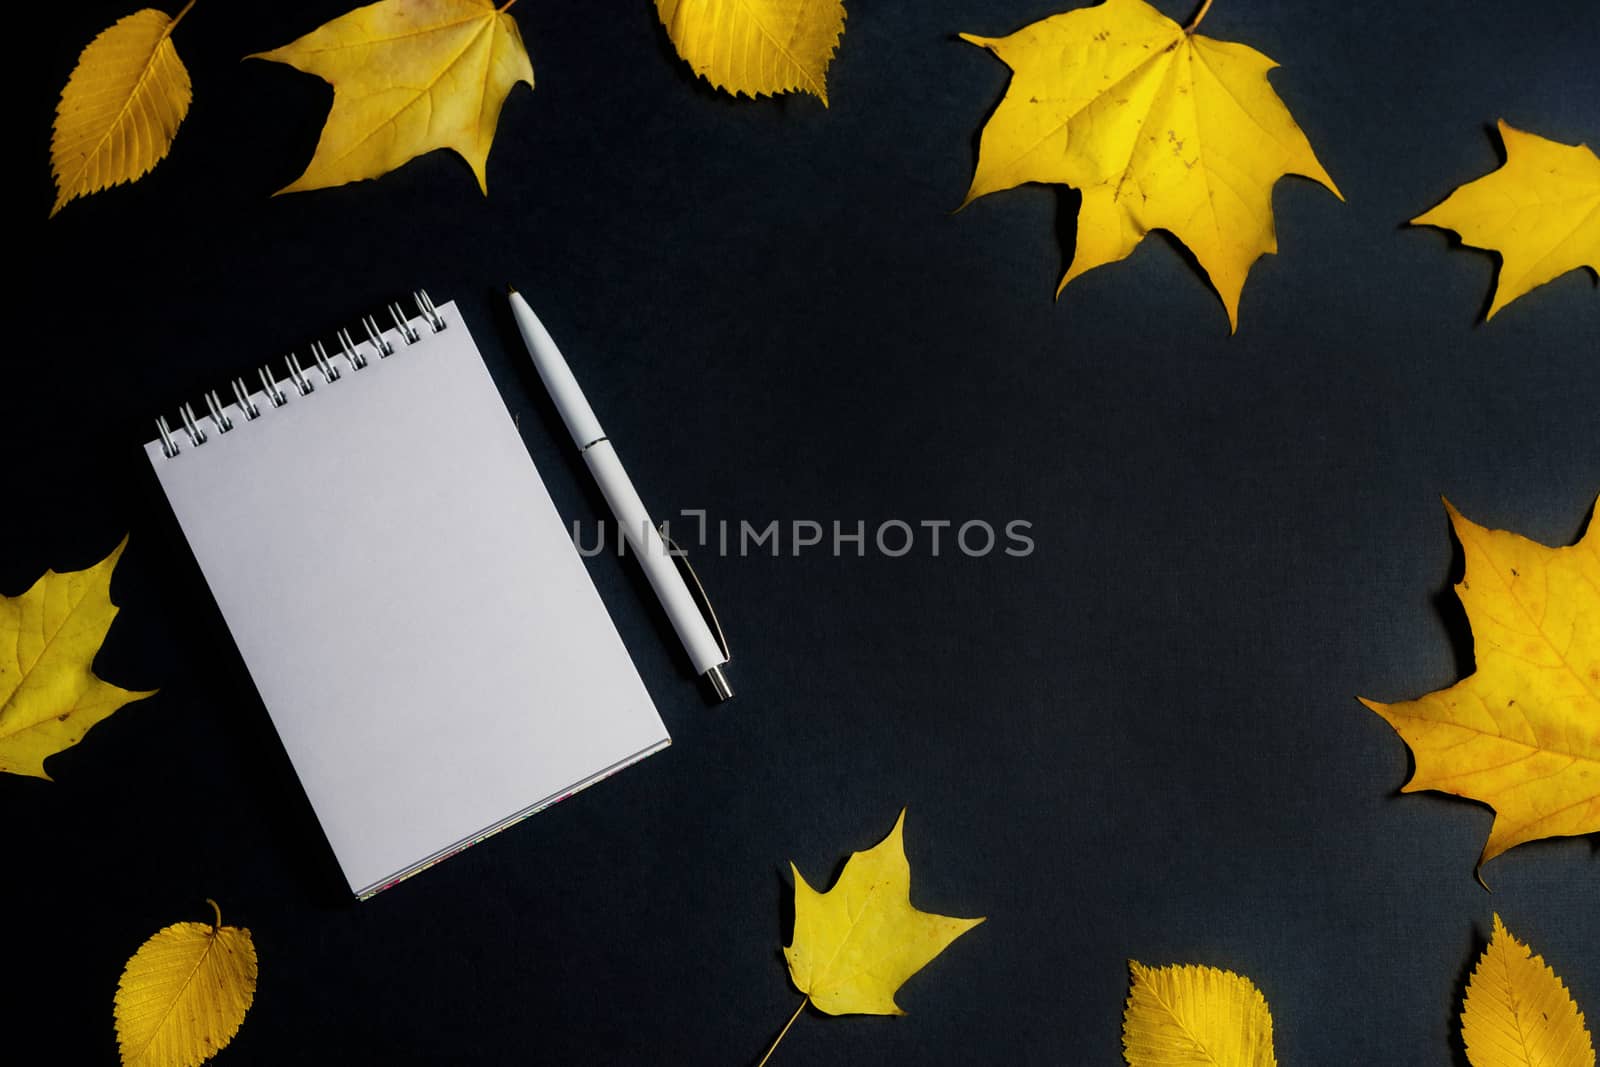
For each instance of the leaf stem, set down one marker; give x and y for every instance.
(1198, 15)
(785, 1030)
(179, 17)
(502, 7)
(218, 924)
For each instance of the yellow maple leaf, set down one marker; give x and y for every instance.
(1522, 733)
(857, 943)
(121, 107)
(49, 695)
(1157, 126)
(756, 46)
(1189, 1016)
(184, 993)
(1540, 212)
(1518, 1014)
(408, 76)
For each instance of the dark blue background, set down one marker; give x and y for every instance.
(1141, 741)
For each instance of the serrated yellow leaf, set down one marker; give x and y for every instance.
(184, 993)
(49, 695)
(1541, 212)
(756, 46)
(1189, 1016)
(1518, 1014)
(408, 76)
(1157, 126)
(121, 106)
(857, 943)
(1522, 733)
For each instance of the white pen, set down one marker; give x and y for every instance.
(705, 650)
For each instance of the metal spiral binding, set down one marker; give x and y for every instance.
(242, 395)
(270, 384)
(224, 424)
(357, 360)
(303, 385)
(298, 376)
(406, 331)
(320, 354)
(191, 426)
(429, 312)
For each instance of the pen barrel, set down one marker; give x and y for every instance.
(556, 375)
(652, 553)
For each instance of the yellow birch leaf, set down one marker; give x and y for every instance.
(184, 993)
(49, 695)
(1189, 1016)
(1522, 733)
(408, 76)
(1157, 126)
(121, 106)
(756, 46)
(857, 943)
(1540, 212)
(1518, 1014)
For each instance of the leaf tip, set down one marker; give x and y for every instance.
(1498, 303)
(1459, 523)
(480, 167)
(1495, 846)
(898, 833)
(1230, 304)
(800, 882)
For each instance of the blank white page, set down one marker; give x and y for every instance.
(409, 603)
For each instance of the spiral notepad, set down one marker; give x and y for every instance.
(408, 600)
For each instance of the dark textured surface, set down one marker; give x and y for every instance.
(1140, 741)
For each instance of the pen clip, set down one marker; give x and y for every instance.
(681, 558)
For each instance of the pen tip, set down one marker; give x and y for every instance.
(511, 290)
